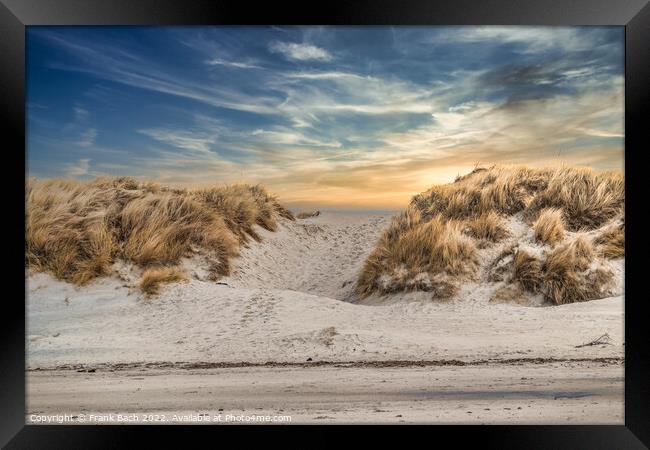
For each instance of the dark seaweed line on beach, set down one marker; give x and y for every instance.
(113, 367)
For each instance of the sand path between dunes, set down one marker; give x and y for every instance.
(320, 256)
(290, 300)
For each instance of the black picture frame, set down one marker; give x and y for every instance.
(634, 15)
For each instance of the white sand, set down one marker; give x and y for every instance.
(284, 304)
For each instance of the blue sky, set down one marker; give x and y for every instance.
(340, 116)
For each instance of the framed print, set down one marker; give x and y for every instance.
(394, 214)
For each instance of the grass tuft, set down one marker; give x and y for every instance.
(153, 277)
(568, 277)
(424, 245)
(527, 270)
(418, 255)
(567, 274)
(587, 198)
(611, 242)
(549, 226)
(488, 227)
(76, 230)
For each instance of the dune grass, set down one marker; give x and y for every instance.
(153, 277)
(549, 226)
(417, 254)
(76, 230)
(527, 270)
(424, 244)
(243, 206)
(588, 199)
(488, 227)
(567, 274)
(611, 242)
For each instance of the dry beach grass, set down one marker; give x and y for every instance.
(76, 230)
(440, 236)
(468, 231)
(612, 241)
(549, 226)
(153, 277)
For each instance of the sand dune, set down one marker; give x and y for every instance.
(290, 300)
(283, 303)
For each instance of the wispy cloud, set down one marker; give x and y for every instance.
(600, 133)
(78, 169)
(300, 52)
(290, 137)
(391, 111)
(111, 64)
(192, 142)
(80, 131)
(235, 64)
(80, 113)
(86, 138)
(531, 39)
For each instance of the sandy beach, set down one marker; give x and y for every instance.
(284, 333)
(495, 393)
(316, 225)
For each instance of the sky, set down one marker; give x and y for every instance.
(345, 117)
